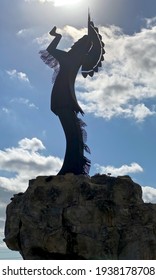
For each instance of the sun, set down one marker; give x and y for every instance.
(65, 2)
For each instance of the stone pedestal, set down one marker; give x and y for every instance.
(76, 217)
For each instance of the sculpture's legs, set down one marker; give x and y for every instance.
(74, 161)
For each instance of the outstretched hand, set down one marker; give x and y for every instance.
(53, 31)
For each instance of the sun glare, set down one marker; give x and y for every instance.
(65, 2)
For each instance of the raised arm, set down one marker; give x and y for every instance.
(52, 48)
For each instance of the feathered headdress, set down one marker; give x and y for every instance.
(95, 55)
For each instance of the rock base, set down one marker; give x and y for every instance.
(76, 217)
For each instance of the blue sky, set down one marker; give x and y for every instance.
(119, 102)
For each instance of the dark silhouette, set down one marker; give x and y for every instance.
(87, 53)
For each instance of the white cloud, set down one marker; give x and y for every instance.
(14, 74)
(56, 3)
(2, 224)
(64, 2)
(2, 205)
(151, 22)
(5, 110)
(120, 171)
(21, 32)
(33, 144)
(149, 194)
(140, 112)
(24, 101)
(127, 79)
(25, 32)
(43, 40)
(3, 247)
(25, 162)
(2, 244)
(125, 85)
(41, 1)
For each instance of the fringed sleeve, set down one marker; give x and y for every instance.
(51, 62)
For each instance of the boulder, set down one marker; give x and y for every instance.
(78, 217)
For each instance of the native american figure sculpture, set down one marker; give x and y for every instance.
(86, 53)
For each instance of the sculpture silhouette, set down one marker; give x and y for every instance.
(87, 53)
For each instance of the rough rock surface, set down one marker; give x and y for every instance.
(76, 217)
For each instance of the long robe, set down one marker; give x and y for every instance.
(64, 104)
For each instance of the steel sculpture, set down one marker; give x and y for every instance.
(87, 53)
